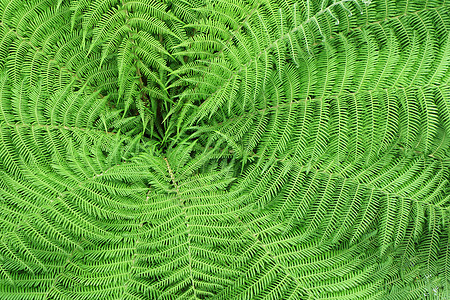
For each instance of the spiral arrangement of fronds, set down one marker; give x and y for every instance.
(224, 149)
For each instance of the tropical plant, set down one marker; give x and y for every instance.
(224, 149)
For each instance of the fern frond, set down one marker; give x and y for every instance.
(224, 149)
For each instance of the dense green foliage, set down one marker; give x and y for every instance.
(224, 149)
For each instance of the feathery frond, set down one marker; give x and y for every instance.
(224, 149)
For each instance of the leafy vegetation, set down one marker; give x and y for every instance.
(224, 149)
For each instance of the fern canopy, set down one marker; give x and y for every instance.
(224, 149)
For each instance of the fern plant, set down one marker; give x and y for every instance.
(224, 149)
